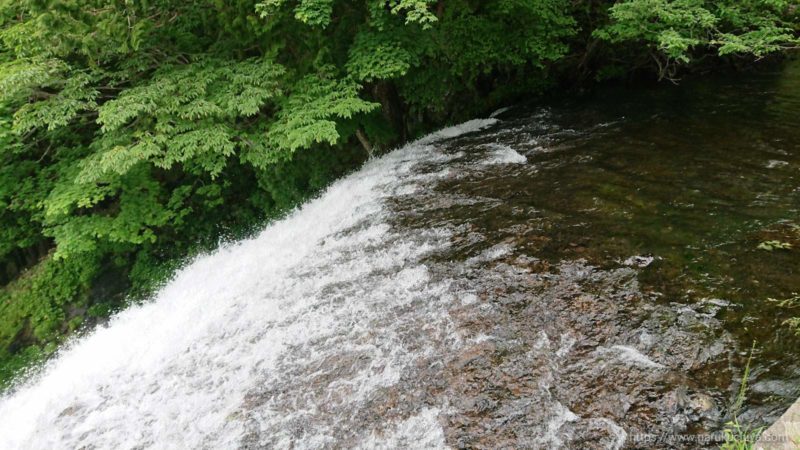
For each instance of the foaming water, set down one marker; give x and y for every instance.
(323, 308)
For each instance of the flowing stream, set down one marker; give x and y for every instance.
(583, 275)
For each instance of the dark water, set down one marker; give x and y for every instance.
(696, 175)
(631, 229)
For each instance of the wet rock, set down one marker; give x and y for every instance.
(639, 261)
(587, 342)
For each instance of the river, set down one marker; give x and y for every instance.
(582, 273)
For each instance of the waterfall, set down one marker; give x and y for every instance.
(283, 339)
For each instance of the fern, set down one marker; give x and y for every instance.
(308, 116)
(380, 56)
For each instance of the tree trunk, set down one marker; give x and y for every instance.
(362, 138)
(392, 107)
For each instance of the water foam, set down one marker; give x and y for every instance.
(628, 355)
(503, 154)
(303, 322)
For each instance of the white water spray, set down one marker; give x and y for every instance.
(273, 341)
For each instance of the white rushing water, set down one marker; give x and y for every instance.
(272, 341)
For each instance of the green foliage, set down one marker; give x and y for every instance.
(311, 12)
(792, 303)
(671, 27)
(188, 114)
(738, 436)
(774, 245)
(415, 11)
(314, 12)
(33, 308)
(311, 113)
(676, 31)
(139, 210)
(380, 56)
(20, 361)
